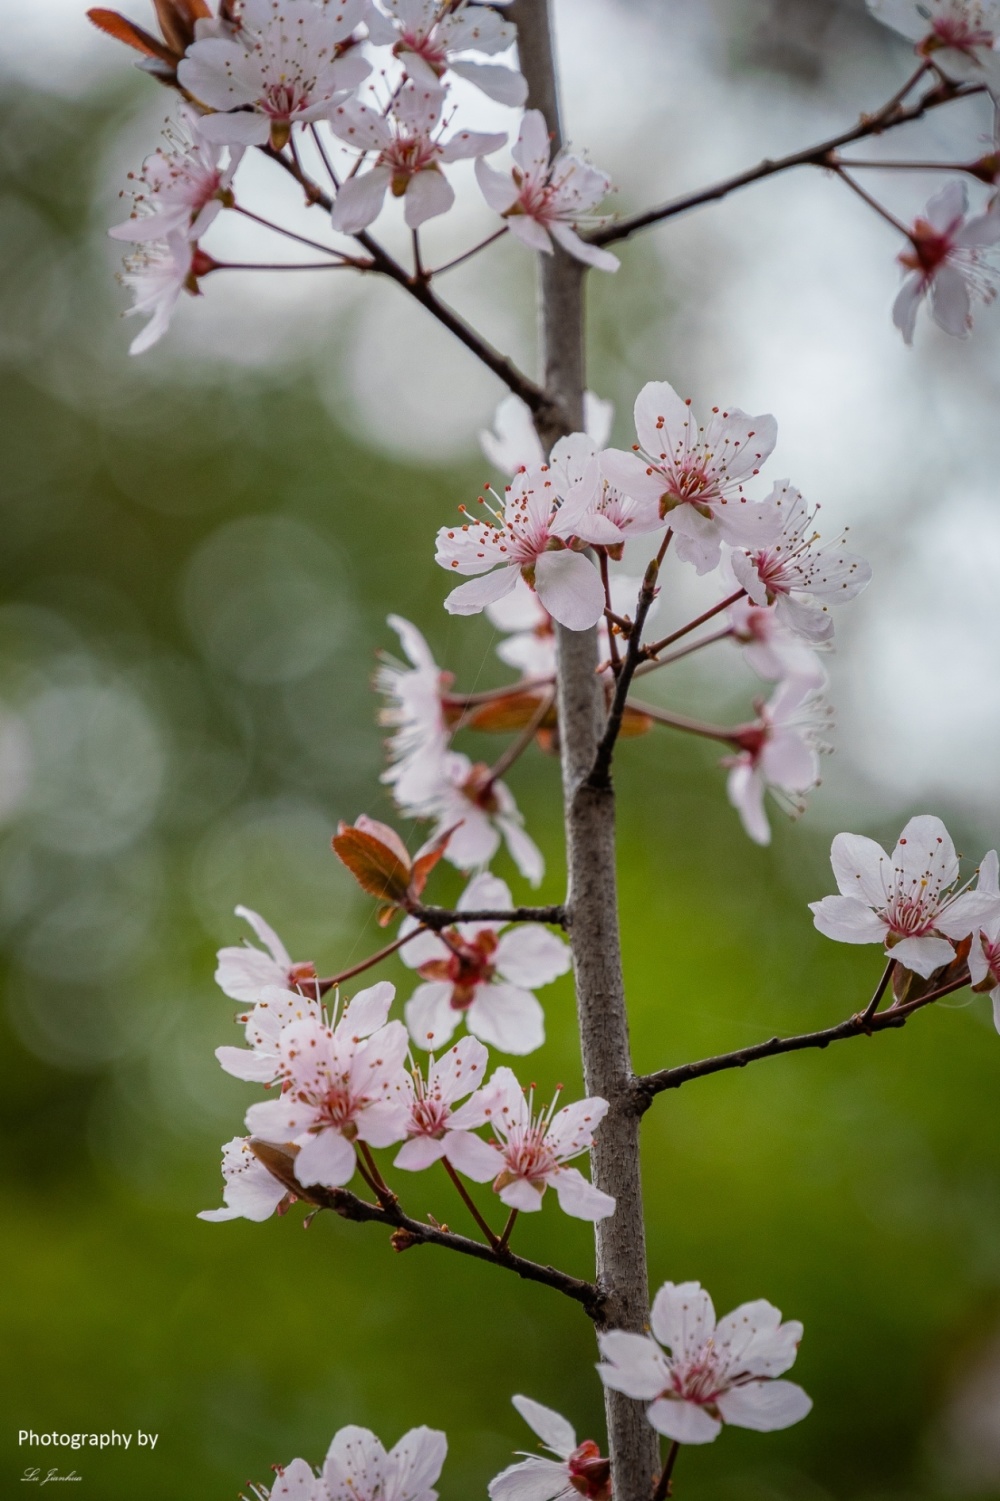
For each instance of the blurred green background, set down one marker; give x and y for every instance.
(197, 561)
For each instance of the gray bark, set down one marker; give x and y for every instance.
(590, 843)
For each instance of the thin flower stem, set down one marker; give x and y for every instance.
(857, 1025)
(664, 1487)
(358, 969)
(685, 630)
(504, 1240)
(363, 1170)
(418, 266)
(321, 150)
(527, 735)
(608, 610)
(872, 203)
(468, 254)
(600, 772)
(382, 1189)
(682, 722)
(288, 233)
(873, 1004)
(821, 155)
(890, 166)
(685, 651)
(342, 265)
(470, 1206)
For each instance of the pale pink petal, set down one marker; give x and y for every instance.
(498, 83)
(570, 589)
(908, 300)
(508, 1018)
(578, 1197)
(765, 1406)
(355, 1465)
(458, 1071)
(633, 1364)
(745, 789)
(530, 956)
(471, 1155)
(429, 1014)
(296, 1482)
(523, 850)
(325, 1158)
(922, 955)
(685, 1422)
(951, 304)
(420, 1152)
(533, 146)
(521, 1195)
(383, 1123)
(966, 913)
(359, 200)
(428, 194)
(534, 1479)
(530, 233)
(682, 1318)
(471, 597)
(552, 1428)
(472, 143)
(925, 852)
(415, 1464)
(367, 1011)
(847, 920)
(255, 1068)
(590, 255)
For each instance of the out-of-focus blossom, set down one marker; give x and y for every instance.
(784, 565)
(478, 810)
(435, 1128)
(357, 1468)
(341, 1085)
(909, 901)
(960, 37)
(543, 199)
(984, 953)
(769, 647)
(286, 66)
(512, 443)
(294, 1482)
(250, 1192)
(530, 540)
(414, 714)
(577, 1470)
(694, 474)
(261, 1062)
(536, 1148)
(182, 187)
(245, 972)
(779, 752)
(156, 275)
(16, 763)
(409, 157)
(431, 39)
(717, 1372)
(484, 974)
(946, 261)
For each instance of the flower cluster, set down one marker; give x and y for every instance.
(344, 1087)
(365, 83)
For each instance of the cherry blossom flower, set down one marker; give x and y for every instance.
(693, 473)
(717, 1372)
(286, 66)
(784, 566)
(779, 751)
(409, 160)
(984, 953)
(945, 255)
(544, 200)
(513, 443)
(482, 973)
(530, 540)
(181, 188)
(276, 1009)
(431, 39)
(577, 1470)
(769, 647)
(576, 467)
(960, 37)
(531, 644)
(535, 1149)
(357, 1468)
(479, 810)
(245, 972)
(341, 1085)
(415, 715)
(250, 1192)
(156, 276)
(908, 902)
(435, 1129)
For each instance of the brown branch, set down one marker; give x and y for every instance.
(692, 625)
(436, 918)
(861, 1024)
(821, 155)
(409, 1232)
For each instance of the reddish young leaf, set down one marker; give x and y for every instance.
(122, 30)
(376, 868)
(513, 712)
(426, 860)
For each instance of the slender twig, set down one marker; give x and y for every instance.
(329, 981)
(692, 625)
(383, 1192)
(684, 651)
(343, 265)
(891, 166)
(821, 155)
(873, 1004)
(288, 233)
(419, 274)
(663, 1486)
(527, 735)
(468, 254)
(858, 1025)
(872, 203)
(600, 772)
(321, 150)
(534, 397)
(682, 722)
(470, 1204)
(616, 662)
(507, 1231)
(437, 918)
(410, 1232)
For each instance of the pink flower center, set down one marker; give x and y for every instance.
(701, 1380)
(527, 1154)
(957, 33)
(930, 248)
(428, 1117)
(468, 965)
(434, 53)
(912, 916)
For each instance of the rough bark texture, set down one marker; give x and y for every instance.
(590, 844)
